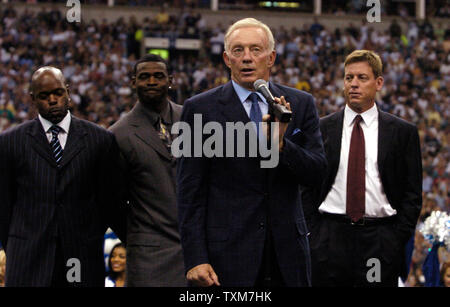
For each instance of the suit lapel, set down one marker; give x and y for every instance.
(146, 132)
(233, 111)
(333, 141)
(231, 106)
(40, 142)
(385, 133)
(74, 142)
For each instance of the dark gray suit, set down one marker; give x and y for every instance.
(154, 254)
(43, 205)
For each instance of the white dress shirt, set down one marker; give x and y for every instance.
(377, 204)
(64, 124)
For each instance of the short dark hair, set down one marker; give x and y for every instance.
(150, 58)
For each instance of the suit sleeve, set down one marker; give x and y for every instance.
(112, 190)
(7, 193)
(303, 154)
(411, 201)
(192, 195)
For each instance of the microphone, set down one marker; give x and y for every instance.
(283, 114)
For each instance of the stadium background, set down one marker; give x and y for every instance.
(97, 54)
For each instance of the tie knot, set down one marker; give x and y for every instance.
(55, 129)
(253, 97)
(358, 119)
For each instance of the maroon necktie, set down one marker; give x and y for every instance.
(356, 173)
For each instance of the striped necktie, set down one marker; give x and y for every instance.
(55, 144)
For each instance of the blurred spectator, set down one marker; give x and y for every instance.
(316, 28)
(117, 266)
(216, 45)
(395, 29)
(444, 10)
(162, 18)
(190, 25)
(445, 274)
(2, 267)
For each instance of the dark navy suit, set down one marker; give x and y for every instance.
(225, 202)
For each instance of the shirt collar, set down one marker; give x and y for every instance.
(165, 115)
(368, 116)
(154, 116)
(64, 124)
(243, 92)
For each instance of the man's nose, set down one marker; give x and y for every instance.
(151, 80)
(52, 98)
(247, 55)
(354, 82)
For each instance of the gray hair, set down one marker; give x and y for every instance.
(249, 22)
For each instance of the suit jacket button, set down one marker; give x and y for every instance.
(261, 225)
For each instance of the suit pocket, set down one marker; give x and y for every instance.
(390, 245)
(301, 227)
(143, 239)
(217, 234)
(298, 137)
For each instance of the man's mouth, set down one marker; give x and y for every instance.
(151, 90)
(247, 71)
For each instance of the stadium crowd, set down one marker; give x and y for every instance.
(96, 58)
(436, 8)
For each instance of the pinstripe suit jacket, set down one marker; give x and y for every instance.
(41, 203)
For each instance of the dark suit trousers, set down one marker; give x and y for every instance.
(59, 276)
(269, 273)
(353, 255)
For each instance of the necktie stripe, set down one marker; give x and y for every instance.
(55, 144)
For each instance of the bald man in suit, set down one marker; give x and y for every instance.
(57, 192)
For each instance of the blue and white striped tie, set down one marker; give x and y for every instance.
(55, 144)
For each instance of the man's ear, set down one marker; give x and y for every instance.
(133, 82)
(31, 88)
(272, 57)
(226, 59)
(379, 83)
